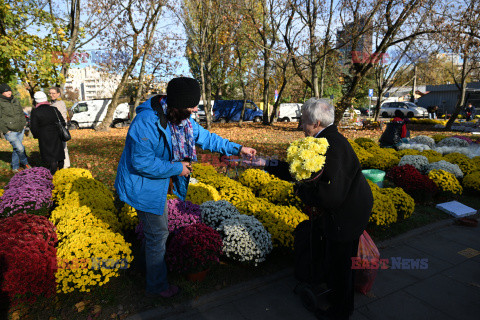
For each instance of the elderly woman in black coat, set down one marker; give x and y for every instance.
(43, 125)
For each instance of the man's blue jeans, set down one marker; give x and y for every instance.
(155, 228)
(18, 154)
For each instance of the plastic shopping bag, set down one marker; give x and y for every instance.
(366, 264)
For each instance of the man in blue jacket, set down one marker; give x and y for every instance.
(159, 147)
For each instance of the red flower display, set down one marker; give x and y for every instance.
(412, 181)
(28, 257)
(194, 248)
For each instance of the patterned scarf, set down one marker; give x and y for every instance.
(183, 143)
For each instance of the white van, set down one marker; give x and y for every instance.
(289, 112)
(87, 114)
(200, 114)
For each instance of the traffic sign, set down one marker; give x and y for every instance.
(370, 92)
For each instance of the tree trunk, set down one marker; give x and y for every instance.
(138, 94)
(105, 125)
(463, 89)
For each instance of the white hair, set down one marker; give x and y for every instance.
(318, 110)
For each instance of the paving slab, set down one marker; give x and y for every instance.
(467, 272)
(276, 301)
(467, 236)
(439, 246)
(388, 281)
(454, 298)
(405, 252)
(400, 305)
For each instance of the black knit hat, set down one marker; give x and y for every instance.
(4, 88)
(183, 93)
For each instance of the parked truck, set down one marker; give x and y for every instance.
(231, 110)
(88, 114)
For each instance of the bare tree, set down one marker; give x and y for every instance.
(131, 37)
(394, 21)
(77, 24)
(457, 33)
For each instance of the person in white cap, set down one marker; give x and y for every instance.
(12, 125)
(43, 124)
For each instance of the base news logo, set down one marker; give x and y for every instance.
(396, 263)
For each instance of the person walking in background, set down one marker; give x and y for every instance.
(159, 147)
(44, 127)
(12, 125)
(469, 111)
(57, 102)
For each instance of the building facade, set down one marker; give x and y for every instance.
(91, 83)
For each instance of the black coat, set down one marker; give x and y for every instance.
(341, 193)
(43, 125)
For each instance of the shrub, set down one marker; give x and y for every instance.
(446, 166)
(432, 155)
(194, 248)
(214, 212)
(423, 140)
(199, 193)
(255, 179)
(472, 181)
(465, 163)
(381, 159)
(383, 211)
(280, 192)
(69, 220)
(412, 182)
(90, 258)
(438, 137)
(419, 162)
(128, 217)
(446, 181)
(28, 257)
(452, 142)
(365, 143)
(245, 239)
(404, 204)
(409, 152)
(361, 153)
(182, 213)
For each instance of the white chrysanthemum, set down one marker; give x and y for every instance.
(214, 212)
(423, 140)
(419, 162)
(452, 142)
(245, 239)
(414, 146)
(446, 166)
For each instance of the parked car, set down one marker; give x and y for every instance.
(409, 109)
(231, 110)
(347, 114)
(87, 114)
(200, 114)
(289, 112)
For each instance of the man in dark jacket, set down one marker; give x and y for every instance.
(12, 125)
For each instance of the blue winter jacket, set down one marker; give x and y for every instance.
(146, 165)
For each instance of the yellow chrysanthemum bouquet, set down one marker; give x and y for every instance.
(306, 156)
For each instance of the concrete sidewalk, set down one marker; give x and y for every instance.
(449, 288)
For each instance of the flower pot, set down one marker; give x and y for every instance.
(198, 276)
